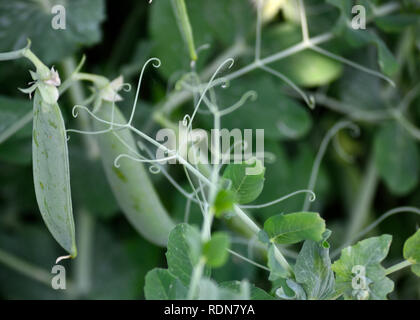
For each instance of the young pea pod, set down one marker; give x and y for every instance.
(129, 182)
(51, 172)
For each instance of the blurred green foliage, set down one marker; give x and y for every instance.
(118, 37)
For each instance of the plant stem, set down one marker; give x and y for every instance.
(282, 260)
(184, 24)
(84, 262)
(195, 279)
(352, 112)
(364, 199)
(25, 268)
(176, 99)
(398, 266)
(15, 127)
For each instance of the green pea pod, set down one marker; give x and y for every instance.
(129, 182)
(51, 172)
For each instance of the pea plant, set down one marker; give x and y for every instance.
(300, 74)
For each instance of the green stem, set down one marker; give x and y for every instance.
(398, 266)
(195, 279)
(84, 262)
(177, 99)
(282, 260)
(25, 268)
(12, 55)
(31, 271)
(184, 24)
(15, 127)
(364, 199)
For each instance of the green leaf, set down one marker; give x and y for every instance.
(313, 271)
(215, 250)
(224, 202)
(15, 116)
(397, 158)
(396, 23)
(295, 227)
(162, 285)
(247, 180)
(365, 256)
(184, 251)
(210, 290)
(386, 60)
(290, 290)
(256, 293)
(83, 18)
(276, 269)
(412, 252)
(52, 174)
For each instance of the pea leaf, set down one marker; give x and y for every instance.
(396, 22)
(255, 292)
(215, 250)
(32, 19)
(412, 252)
(290, 290)
(210, 290)
(224, 202)
(184, 251)
(313, 271)
(295, 227)
(247, 180)
(397, 159)
(366, 257)
(276, 269)
(162, 285)
(358, 38)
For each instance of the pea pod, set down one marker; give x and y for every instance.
(129, 182)
(51, 172)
